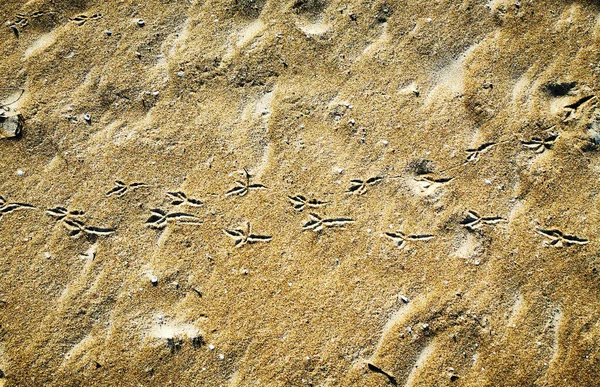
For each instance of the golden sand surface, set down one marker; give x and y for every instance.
(300, 193)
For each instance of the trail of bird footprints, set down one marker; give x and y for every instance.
(159, 219)
(21, 20)
(73, 220)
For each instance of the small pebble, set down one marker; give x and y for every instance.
(69, 116)
(108, 33)
(211, 347)
(221, 356)
(404, 299)
(87, 117)
(20, 172)
(245, 271)
(47, 255)
(154, 280)
(487, 181)
(180, 74)
(384, 142)
(155, 93)
(141, 23)
(425, 326)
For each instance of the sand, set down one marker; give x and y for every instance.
(443, 163)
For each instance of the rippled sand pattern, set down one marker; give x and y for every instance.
(302, 192)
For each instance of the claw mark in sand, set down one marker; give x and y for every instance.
(474, 220)
(22, 20)
(474, 153)
(558, 239)
(82, 19)
(178, 198)
(159, 219)
(243, 237)
(300, 202)
(90, 254)
(428, 184)
(374, 368)
(571, 110)
(400, 239)
(121, 188)
(538, 145)
(316, 223)
(359, 187)
(71, 220)
(243, 187)
(6, 207)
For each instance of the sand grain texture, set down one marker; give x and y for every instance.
(457, 106)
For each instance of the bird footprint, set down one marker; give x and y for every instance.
(300, 202)
(474, 220)
(359, 187)
(558, 239)
(316, 223)
(243, 186)
(121, 188)
(400, 239)
(82, 19)
(178, 198)
(243, 237)
(6, 207)
(538, 145)
(71, 220)
(473, 154)
(159, 219)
